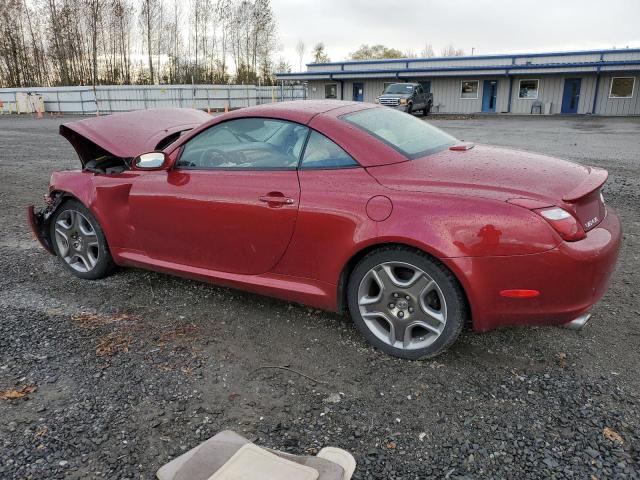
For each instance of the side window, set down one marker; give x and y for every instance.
(420, 91)
(323, 153)
(246, 143)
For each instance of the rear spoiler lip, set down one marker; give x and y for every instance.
(597, 177)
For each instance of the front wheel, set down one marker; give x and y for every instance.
(79, 242)
(405, 303)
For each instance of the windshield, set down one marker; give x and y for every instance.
(398, 88)
(405, 133)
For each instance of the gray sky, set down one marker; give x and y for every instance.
(491, 26)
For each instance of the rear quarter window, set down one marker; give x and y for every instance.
(322, 153)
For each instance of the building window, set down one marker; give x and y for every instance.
(331, 90)
(469, 90)
(622, 87)
(528, 89)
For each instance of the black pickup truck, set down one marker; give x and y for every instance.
(408, 97)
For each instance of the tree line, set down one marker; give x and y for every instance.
(123, 42)
(375, 52)
(93, 42)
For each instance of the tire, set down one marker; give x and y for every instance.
(410, 109)
(405, 303)
(426, 111)
(79, 242)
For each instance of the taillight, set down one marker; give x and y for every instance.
(563, 222)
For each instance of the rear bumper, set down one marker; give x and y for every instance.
(571, 278)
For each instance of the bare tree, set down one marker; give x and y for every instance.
(427, 52)
(80, 42)
(300, 50)
(94, 10)
(282, 66)
(148, 16)
(451, 51)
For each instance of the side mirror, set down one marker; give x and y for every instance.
(150, 161)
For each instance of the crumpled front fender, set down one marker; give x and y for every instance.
(40, 219)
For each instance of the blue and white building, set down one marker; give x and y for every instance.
(596, 82)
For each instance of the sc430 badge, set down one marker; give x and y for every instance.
(591, 222)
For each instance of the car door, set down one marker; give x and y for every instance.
(229, 203)
(420, 97)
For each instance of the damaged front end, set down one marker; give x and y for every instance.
(40, 220)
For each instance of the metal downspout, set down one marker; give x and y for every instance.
(595, 94)
(510, 92)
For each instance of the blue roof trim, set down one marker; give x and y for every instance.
(478, 57)
(507, 67)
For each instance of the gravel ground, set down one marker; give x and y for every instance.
(123, 374)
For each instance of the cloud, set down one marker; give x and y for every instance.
(487, 26)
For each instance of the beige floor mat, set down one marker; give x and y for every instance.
(254, 463)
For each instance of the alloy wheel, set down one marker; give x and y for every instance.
(77, 241)
(402, 305)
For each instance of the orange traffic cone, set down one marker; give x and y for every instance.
(208, 110)
(226, 107)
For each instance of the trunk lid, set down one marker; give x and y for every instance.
(503, 174)
(125, 135)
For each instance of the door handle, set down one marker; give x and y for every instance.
(276, 199)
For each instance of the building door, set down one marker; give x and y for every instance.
(358, 92)
(489, 95)
(571, 95)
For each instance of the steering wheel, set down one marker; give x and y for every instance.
(211, 158)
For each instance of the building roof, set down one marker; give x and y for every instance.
(593, 61)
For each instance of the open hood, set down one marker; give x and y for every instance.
(125, 135)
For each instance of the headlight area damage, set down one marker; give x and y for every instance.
(39, 219)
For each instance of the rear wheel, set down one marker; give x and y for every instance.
(427, 110)
(79, 242)
(405, 303)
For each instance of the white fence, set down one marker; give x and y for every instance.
(124, 98)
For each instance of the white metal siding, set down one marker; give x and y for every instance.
(452, 62)
(534, 60)
(479, 62)
(446, 94)
(621, 56)
(324, 68)
(364, 75)
(315, 89)
(617, 106)
(376, 66)
(549, 91)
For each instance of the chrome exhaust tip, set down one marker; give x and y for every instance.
(578, 323)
